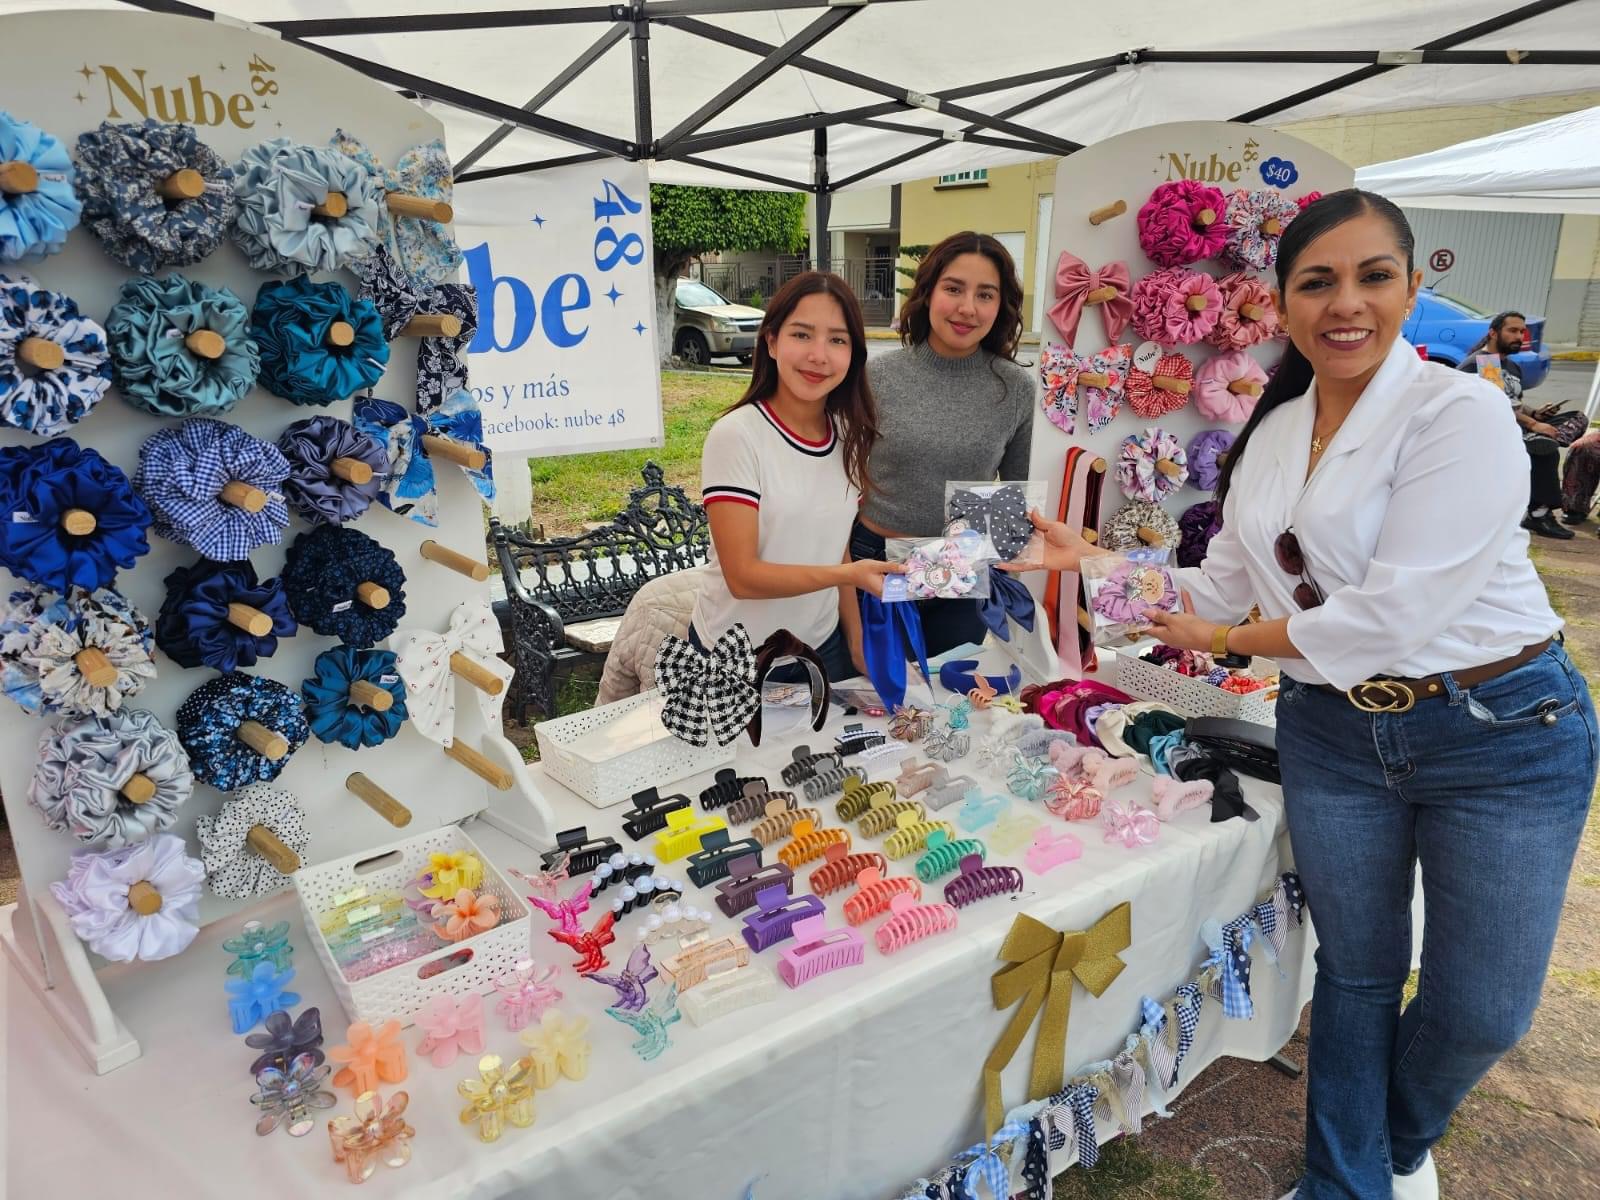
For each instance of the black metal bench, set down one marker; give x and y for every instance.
(554, 585)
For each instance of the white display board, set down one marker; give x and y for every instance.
(1128, 168)
(66, 72)
(565, 360)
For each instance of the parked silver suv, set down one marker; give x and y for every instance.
(707, 326)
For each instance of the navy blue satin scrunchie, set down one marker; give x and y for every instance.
(321, 574)
(1008, 600)
(291, 322)
(208, 723)
(334, 716)
(193, 627)
(39, 486)
(886, 631)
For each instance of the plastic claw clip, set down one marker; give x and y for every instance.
(727, 992)
(583, 853)
(1013, 831)
(775, 921)
(911, 835)
(1048, 852)
(810, 844)
(727, 788)
(716, 854)
(916, 777)
(856, 737)
(946, 792)
(649, 812)
(860, 795)
(977, 882)
(978, 810)
(818, 950)
(642, 892)
(946, 854)
(842, 869)
(828, 781)
(682, 835)
(690, 967)
(876, 822)
(747, 879)
(806, 764)
(780, 821)
(874, 894)
(756, 803)
(912, 922)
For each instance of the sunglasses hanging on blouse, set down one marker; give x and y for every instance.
(1287, 551)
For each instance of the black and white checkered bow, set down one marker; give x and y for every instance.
(708, 694)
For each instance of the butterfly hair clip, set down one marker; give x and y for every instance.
(650, 1024)
(630, 984)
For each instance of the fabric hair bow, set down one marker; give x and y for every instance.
(1003, 513)
(1077, 286)
(886, 631)
(424, 249)
(423, 660)
(1093, 384)
(708, 694)
(1009, 600)
(1129, 824)
(410, 487)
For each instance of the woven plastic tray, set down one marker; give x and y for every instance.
(1196, 697)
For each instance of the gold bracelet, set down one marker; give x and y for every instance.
(1219, 640)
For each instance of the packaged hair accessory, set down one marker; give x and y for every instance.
(945, 568)
(1000, 512)
(1121, 588)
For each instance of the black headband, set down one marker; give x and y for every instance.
(779, 646)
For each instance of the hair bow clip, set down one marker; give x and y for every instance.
(946, 744)
(1001, 512)
(264, 991)
(1029, 777)
(1078, 286)
(524, 993)
(497, 1096)
(412, 441)
(1129, 824)
(557, 1046)
(1049, 851)
(909, 723)
(259, 943)
(374, 1133)
(1088, 385)
(650, 1024)
(285, 1096)
(978, 810)
(708, 694)
(285, 1040)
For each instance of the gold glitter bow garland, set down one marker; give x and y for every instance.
(1042, 964)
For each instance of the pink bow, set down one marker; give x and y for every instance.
(1129, 824)
(525, 993)
(451, 1027)
(1077, 285)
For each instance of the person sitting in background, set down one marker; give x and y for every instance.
(1540, 438)
(1580, 478)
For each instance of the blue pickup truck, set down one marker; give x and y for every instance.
(1447, 328)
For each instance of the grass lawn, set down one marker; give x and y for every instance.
(572, 490)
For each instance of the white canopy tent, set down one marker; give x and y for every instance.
(1553, 166)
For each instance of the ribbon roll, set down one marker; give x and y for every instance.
(423, 658)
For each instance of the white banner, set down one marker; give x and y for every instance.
(565, 359)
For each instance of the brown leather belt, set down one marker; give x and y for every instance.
(1383, 695)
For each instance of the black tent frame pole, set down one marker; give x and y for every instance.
(822, 197)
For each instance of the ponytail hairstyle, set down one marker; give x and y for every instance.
(1294, 375)
(1006, 332)
(1495, 326)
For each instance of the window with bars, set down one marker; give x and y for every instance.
(978, 177)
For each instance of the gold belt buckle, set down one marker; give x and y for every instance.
(1382, 696)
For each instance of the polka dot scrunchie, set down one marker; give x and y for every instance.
(233, 868)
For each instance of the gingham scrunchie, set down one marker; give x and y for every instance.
(1153, 401)
(40, 489)
(1121, 531)
(1221, 390)
(183, 475)
(1183, 222)
(1204, 448)
(157, 371)
(83, 765)
(120, 172)
(277, 183)
(35, 223)
(322, 574)
(209, 720)
(46, 402)
(1139, 472)
(1248, 316)
(1176, 308)
(43, 632)
(1256, 220)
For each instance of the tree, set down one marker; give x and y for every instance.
(916, 255)
(688, 221)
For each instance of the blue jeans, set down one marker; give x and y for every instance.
(1489, 789)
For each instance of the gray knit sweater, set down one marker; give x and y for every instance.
(943, 419)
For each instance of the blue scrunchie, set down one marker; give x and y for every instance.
(208, 723)
(334, 716)
(290, 323)
(886, 631)
(442, 361)
(47, 402)
(38, 486)
(193, 627)
(182, 473)
(34, 224)
(120, 171)
(313, 490)
(156, 370)
(321, 573)
(409, 486)
(277, 183)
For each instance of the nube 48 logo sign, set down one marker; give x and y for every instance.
(220, 94)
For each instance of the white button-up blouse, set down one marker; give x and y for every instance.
(1410, 525)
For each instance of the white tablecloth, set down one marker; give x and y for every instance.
(850, 1087)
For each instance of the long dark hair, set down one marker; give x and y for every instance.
(1496, 324)
(1294, 374)
(1006, 331)
(849, 405)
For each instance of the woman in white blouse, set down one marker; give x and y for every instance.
(1371, 509)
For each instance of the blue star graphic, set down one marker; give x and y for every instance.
(538, 220)
(613, 295)
(639, 328)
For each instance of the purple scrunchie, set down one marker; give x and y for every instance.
(1204, 470)
(1196, 527)
(312, 489)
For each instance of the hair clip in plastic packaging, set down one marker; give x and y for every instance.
(978, 810)
(729, 786)
(690, 967)
(1013, 831)
(651, 1024)
(375, 1133)
(859, 795)
(558, 1046)
(747, 878)
(775, 922)
(818, 950)
(911, 835)
(843, 868)
(946, 854)
(1049, 852)
(286, 1095)
(806, 764)
(496, 1097)
(978, 882)
(876, 822)
(780, 821)
(683, 832)
(649, 812)
(583, 853)
(809, 844)
(912, 922)
(874, 893)
(727, 991)
(756, 803)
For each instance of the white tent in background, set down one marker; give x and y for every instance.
(1551, 167)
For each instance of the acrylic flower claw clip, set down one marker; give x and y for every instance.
(265, 991)
(286, 1096)
(286, 1040)
(557, 1046)
(375, 1133)
(451, 1025)
(496, 1097)
(372, 1056)
(525, 992)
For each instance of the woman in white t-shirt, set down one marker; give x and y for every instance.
(782, 475)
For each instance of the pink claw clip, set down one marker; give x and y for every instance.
(818, 950)
(1048, 852)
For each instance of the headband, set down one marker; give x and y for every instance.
(783, 644)
(961, 676)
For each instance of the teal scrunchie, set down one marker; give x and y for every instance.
(335, 716)
(34, 224)
(299, 362)
(157, 370)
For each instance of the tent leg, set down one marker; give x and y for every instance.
(822, 240)
(1594, 394)
(643, 126)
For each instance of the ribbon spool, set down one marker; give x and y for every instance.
(144, 899)
(378, 800)
(496, 776)
(453, 451)
(268, 845)
(18, 178)
(40, 353)
(266, 742)
(404, 204)
(1106, 211)
(334, 205)
(243, 495)
(454, 559)
(432, 325)
(183, 184)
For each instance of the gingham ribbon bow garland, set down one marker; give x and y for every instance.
(1186, 1008)
(989, 1175)
(1071, 1112)
(423, 659)
(1163, 1058)
(708, 694)
(1230, 955)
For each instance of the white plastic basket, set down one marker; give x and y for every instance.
(1196, 697)
(401, 991)
(608, 772)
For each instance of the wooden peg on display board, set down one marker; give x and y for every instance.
(369, 695)
(40, 353)
(1168, 468)
(459, 453)
(497, 777)
(139, 788)
(1245, 387)
(205, 343)
(79, 522)
(351, 470)
(1222, 459)
(1092, 536)
(95, 667)
(1171, 383)
(1195, 304)
(378, 800)
(373, 595)
(252, 620)
(1150, 537)
(341, 333)
(1094, 379)
(183, 184)
(1100, 295)
(429, 325)
(266, 742)
(1252, 312)
(403, 204)
(144, 899)
(1206, 216)
(267, 844)
(476, 674)
(454, 559)
(334, 205)
(243, 495)
(18, 178)
(1098, 466)
(1106, 211)
(1085, 621)
(1272, 227)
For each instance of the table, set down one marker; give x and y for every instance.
(847, 1089)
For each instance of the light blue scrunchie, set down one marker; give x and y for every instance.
(334, 716)
(156, 370)
(277, 183)
(34, 224)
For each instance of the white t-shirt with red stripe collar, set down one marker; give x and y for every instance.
(806, 506)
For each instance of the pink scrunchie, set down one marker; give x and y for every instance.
(1152, 402)
(1170, 232)
(1307, 200)
(1161, 310)
(1243, 293)
(1211, 394)
(1136, 465)
(1075, 282)
(1249, 243)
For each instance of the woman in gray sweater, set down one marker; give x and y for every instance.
(953, 404)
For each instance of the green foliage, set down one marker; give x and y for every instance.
(915, 254)
(687, 221)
